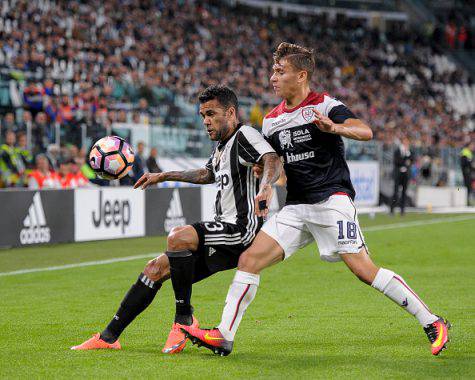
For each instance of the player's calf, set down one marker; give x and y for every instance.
(158, 269)
(137, 299)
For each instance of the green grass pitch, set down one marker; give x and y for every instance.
(310, 319)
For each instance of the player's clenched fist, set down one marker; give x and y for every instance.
(262, 201)
(149, 179)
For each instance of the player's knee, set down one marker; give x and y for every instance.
(158, 269)
(178, 239)
(249, 263)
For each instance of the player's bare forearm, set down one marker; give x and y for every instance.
(354, 129)
(351, 128)
(272, 169)
(197, 176)
(271, 173)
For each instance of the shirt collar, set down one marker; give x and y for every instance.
(221, 144)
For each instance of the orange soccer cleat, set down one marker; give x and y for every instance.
(176, 341)
(96, 343)
(212, 339)
(438, 334)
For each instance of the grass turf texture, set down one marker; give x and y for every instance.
(310, 319)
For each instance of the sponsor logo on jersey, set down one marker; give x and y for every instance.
(301, 135)
(307, 114)
(175, 216)
(285, 138)
(35, 229)
(223, 179)
(279, 122)
(290, 157)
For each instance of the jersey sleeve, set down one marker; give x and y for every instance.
(252, 145)
(337, 111)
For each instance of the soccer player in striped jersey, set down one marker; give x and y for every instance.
(195, 252)
(306, 130)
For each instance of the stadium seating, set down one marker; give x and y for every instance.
(94, 64)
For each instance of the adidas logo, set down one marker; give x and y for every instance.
(174, 216)
(212, 251)
(35, 229)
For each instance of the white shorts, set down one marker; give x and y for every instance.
(332, 223)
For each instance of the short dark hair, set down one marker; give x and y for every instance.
(298, 56)
(223, 94)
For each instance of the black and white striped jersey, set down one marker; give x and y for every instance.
(231, 163)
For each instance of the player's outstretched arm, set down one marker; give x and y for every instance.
(351, 128)
(271, 173)
(198, 176)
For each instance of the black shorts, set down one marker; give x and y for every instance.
(219, 248)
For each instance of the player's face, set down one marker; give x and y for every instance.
(216, 119)
(286, 79)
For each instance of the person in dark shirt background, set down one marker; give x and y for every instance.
(152, 162)
(403, 159)
(466, 165)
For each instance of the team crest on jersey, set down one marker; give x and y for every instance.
(285, 138)
(307, 114)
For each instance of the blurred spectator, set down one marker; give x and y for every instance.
(256, 115)
(42, 132)
(403, 159)
(8, 123)
(11, 164)
(143, 114)
(26, 122)
(78, 178)
(65, 177)
(138, 168)
(42, 177)
(53, 154)
(152, 162)
(467, 165)
(33, 98)
(24, 152)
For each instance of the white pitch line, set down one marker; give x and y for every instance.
(79, 265)
(416, 223)
(130, 258)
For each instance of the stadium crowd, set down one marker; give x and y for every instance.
(96, 63)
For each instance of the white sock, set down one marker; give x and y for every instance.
(394, 287)
(240, 295)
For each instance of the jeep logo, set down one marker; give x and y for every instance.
(222, 180)
(115, 213)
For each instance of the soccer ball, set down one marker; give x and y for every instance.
(111, 157)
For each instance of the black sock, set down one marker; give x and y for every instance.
(139, 296)
(181, 269)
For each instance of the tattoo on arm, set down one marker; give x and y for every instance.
(272, 169)
(199, 176)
